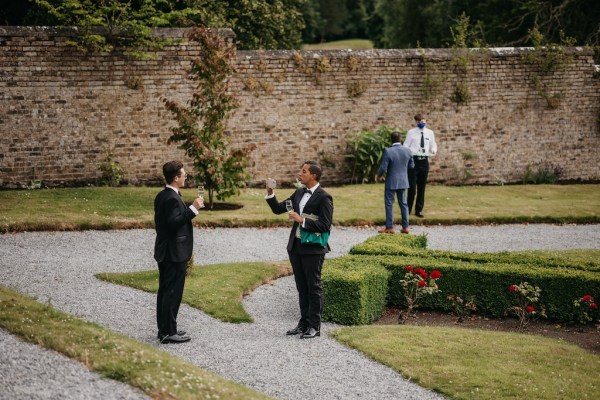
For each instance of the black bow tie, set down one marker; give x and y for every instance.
(307, 191)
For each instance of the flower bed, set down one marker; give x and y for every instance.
(483, 277)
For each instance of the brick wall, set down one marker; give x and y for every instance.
(61, 112)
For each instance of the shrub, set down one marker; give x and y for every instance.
(482, 276)
(354, 293)
(461, 308)
(586, 309)
(112, 173)
(526, 298)
(544, 173)
(364, 153)
(416, 285)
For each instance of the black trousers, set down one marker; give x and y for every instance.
(171, 280)
(307, 273)
(417, 179)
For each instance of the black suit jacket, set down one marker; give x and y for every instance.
(174, 232)
(321, 204)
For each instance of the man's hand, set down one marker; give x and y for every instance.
(295, 216)
(269, 189)
(198, 203)
(380, 178)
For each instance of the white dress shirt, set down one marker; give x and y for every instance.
(194, 210)
(303, 200)
(413, 141)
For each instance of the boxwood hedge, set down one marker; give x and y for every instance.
(357, 287)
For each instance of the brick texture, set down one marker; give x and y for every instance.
(61, 111)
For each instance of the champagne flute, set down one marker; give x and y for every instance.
(289, 206)
(201, 191)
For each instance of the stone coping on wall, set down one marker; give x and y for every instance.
(72, 31)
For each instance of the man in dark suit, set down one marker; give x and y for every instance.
(172, 250)
(395, 163)
(313, 212)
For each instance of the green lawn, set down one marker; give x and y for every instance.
(355, 44)
(462, 363)
(131, 207)
(216, 289)
(475, 364)
(112, 355)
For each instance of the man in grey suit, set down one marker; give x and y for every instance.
(172, 250)
(395, 163)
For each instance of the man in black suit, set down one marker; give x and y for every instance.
(172, 250)
(313, 212)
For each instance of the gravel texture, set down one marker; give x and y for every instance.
(60, 267)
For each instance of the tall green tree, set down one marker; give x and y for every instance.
(498, 22)
(201, 123)
(260, 24)
(313, 22)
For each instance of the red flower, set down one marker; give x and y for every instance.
(593, 306)
(513, 288)
(586, 298)
(530, 309)
(409, 268)
(422, 283)
(418, 271)
(435, 274)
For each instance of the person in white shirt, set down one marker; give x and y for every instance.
(421, 142)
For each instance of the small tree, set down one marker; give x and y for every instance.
(200, 126)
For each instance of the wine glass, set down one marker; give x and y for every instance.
(289, 206)
(201, 191)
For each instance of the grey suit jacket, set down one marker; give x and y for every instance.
(174, 231)
(395, 163)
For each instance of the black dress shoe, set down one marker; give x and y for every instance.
(420, 215)
(180, 333)
(175, 339)
(310, 333)
(297, 330)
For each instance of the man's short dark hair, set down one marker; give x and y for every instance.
(314, 168)
(395, 137)
(171, 169)
(419, 117)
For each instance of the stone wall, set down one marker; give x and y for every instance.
(61, 111)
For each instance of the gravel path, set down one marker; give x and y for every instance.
(60, 266)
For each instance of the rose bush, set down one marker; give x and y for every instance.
(587, 309)
(526, 298)
(417, 284)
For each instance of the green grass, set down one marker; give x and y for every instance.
(112, 355)
(215, 289)
(474, 364)
(355, 44)
(132, 207)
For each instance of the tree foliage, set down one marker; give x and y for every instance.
(201, 124)
(500, 22)
(259, 24)
(106, 24)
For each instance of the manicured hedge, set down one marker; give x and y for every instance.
(354, 293)
(402, 245)
(486, 276)
(489, 283)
